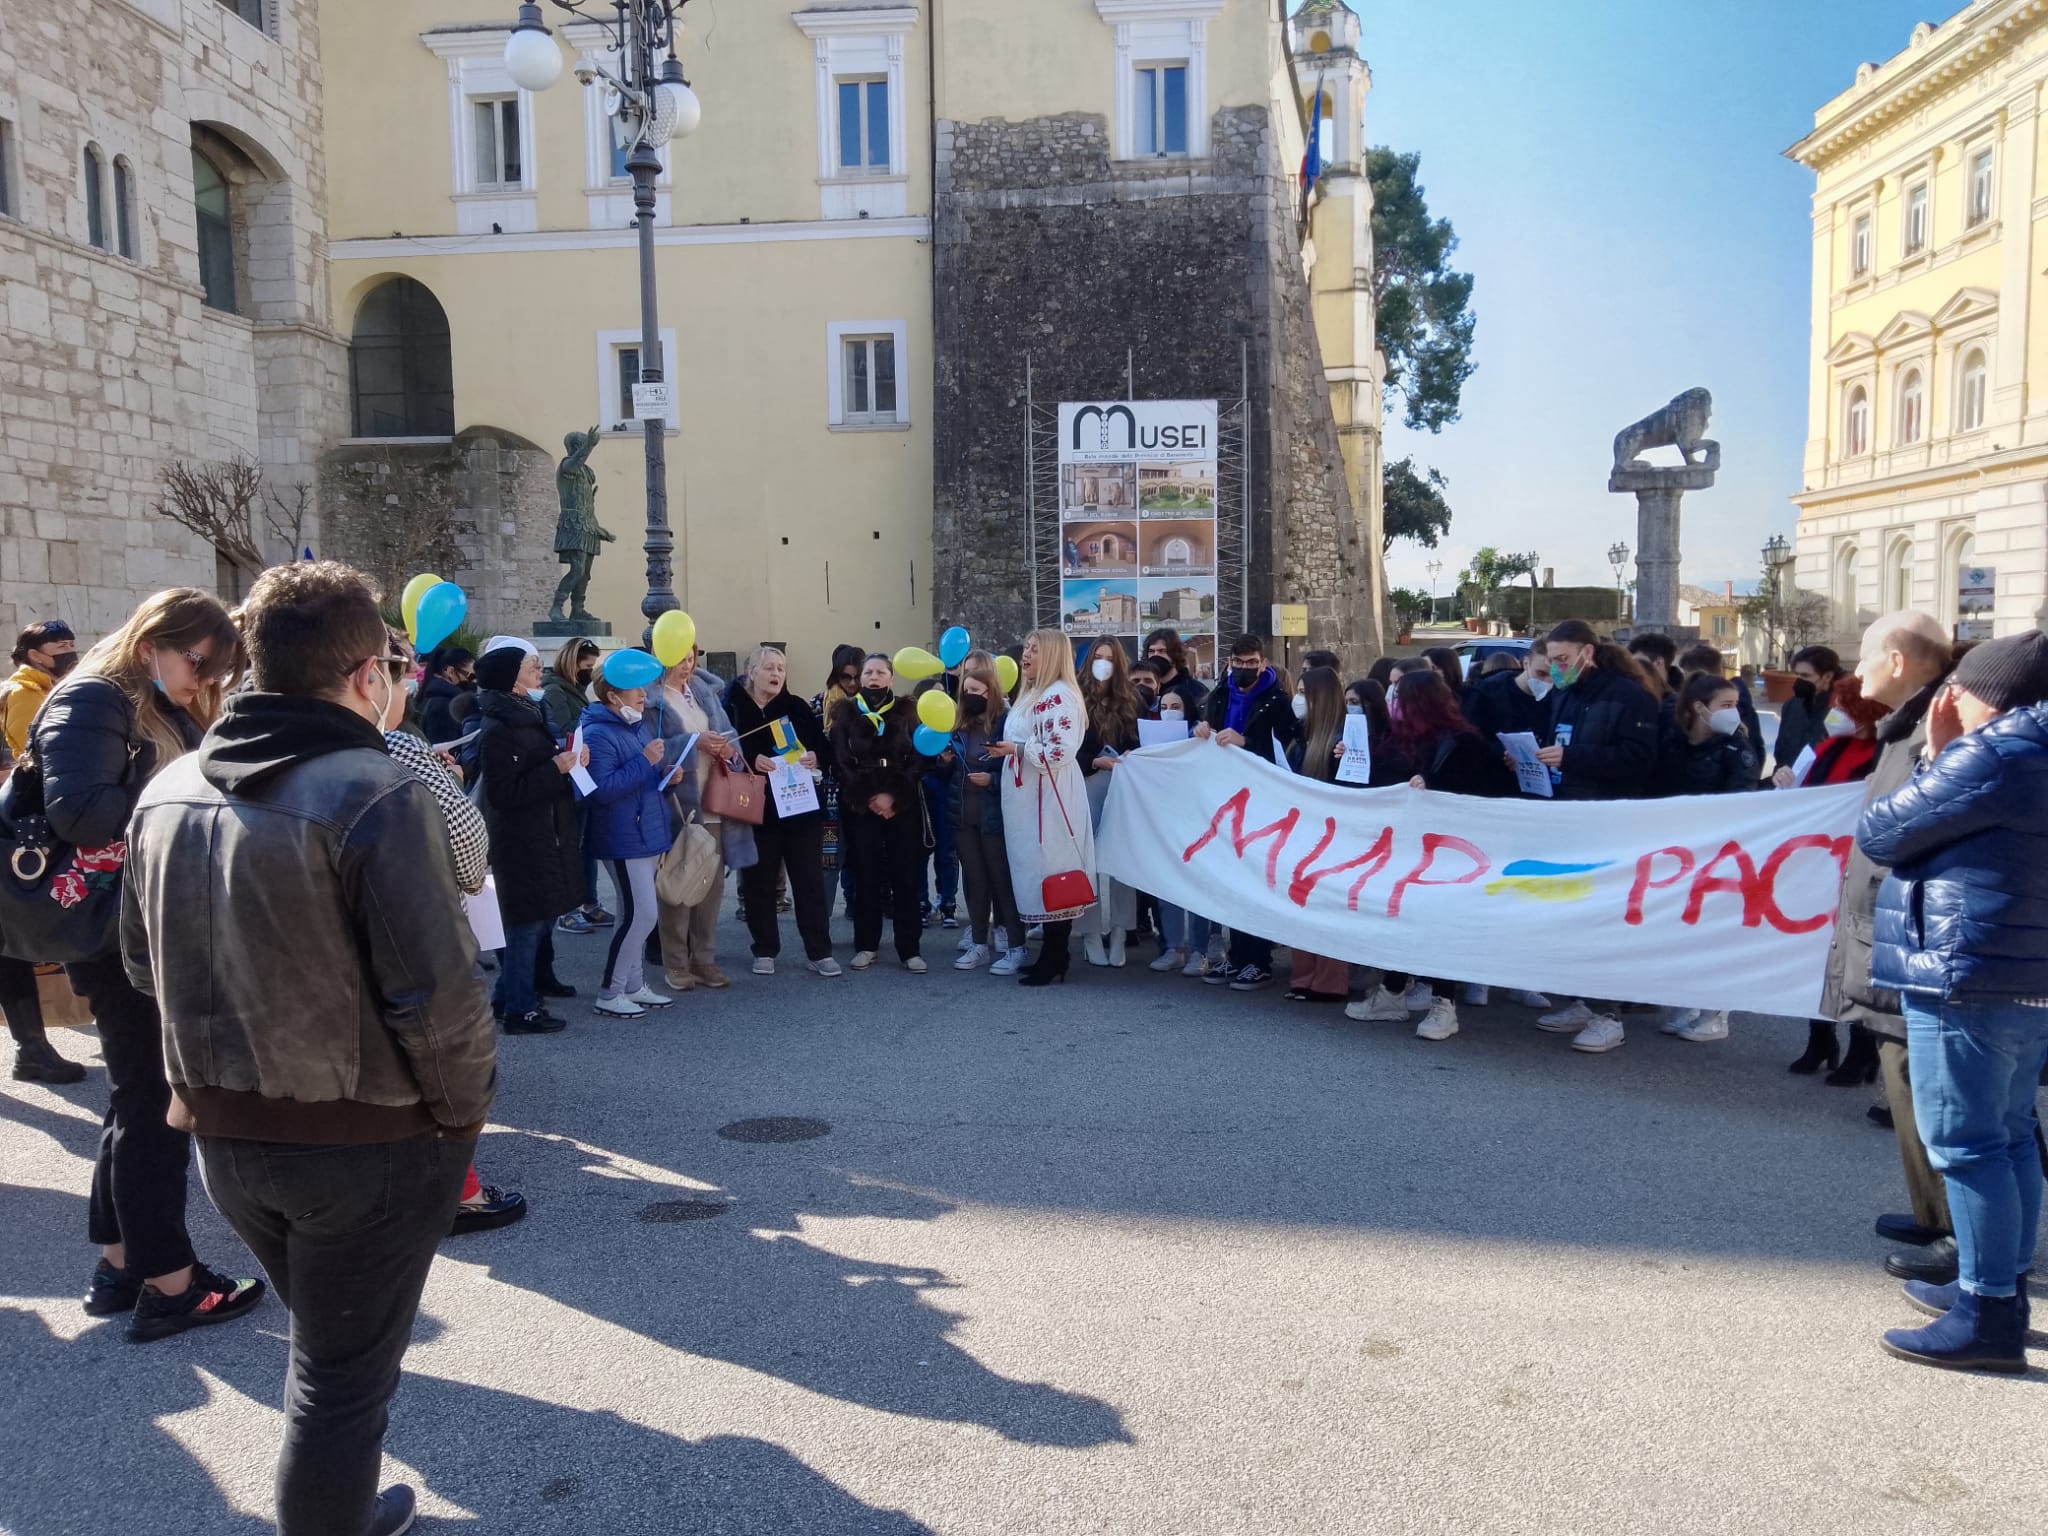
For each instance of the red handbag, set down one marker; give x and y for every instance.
(1068, 888)
(736, 796)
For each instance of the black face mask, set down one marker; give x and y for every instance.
(1146, 698)
(877, 697)
(467, 685)
(61, 664)
(1244, 677)
(1804, 690)
(973, 706)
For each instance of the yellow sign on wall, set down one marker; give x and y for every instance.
(1289, 619)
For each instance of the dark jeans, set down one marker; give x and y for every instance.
(945, 865)
(985, 865)
(346, 1235)
(797, 845)
(589, 853)
(138, 1182)
(20, 1001)
(887, 853)
(1249, 949)
(517, 992)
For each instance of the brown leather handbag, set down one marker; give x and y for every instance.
(736, 794)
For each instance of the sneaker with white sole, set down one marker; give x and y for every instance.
(619, 1007)
(1217, 973)
(1528, 999)
(1568, 1020)
(1440, 1023)
(1603, 1034)
(1011, 962)
(1474, 994)
(863, 958)
(999, 941)
(1383, 1007)
(1198, 965)
(825, 967)
(1417, 996)
(915, 965)
(1678, 1020)
(1169, 960)
(1708, 1027)
(764, 965)
(1251, 979)
(972, 957)
(967, 941)
(647, 997)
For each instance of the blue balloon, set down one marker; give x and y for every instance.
(954, 645)
(930, 742)
(631, 669)
(438, 616)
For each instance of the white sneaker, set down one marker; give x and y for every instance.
(764, 965)
(647, 997)
(1707, 1028)
(915, 965)
(1528, 999)
(1678, 1020)
(967, 940)
(1417, 996)
(1603, 1034)
(1012, 961)
(863, 959)
(1219, 951)
(999, 941)
(1116, 948)
(1381, 1008)
(1475, 995)
(1440, 1023)
(619, 1007)
(1198, 965)
(825, 967)
(973, 956)
(1169, 960)
(1091, 946)
(1568, 1020)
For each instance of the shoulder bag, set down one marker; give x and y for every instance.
(735, 795)
(58, 903)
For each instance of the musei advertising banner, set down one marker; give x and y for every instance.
(1721, 901)
(1138, 523)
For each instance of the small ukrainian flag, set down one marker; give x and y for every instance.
(783, 735)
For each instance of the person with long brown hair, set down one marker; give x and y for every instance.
(1318, 978)
(142, 698)
(1046, 830)
(1112, 705)
(976, 807)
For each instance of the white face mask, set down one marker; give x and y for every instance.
(1539, 687)
(390, 697)
(412, 687)
(536, 694)
(1172, 712)
(1354, 709)
(629, 714)
(1839, 724)
(1300, 707)
(1725, 722)
(1101, 670)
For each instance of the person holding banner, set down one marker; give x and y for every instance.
(1249, 709)
(1046, 830)
(882, 813)
(1318, 978)
(1962, 935)
(1164, 645)
(1112, 704)
(761, 708)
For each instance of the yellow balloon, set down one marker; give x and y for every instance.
(409, 601)
(1006, 673)
(937, 710)
(915, 664)
(675, 636)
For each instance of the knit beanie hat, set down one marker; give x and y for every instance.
(498, 670)
(2006, 674)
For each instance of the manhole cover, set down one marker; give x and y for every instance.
(775, 1128)
(684, 1210)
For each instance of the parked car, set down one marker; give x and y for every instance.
(1473, 654)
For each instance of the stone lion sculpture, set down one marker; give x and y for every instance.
(1682, 425)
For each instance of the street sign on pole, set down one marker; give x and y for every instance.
(652, 400)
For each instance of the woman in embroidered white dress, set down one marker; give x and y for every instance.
(1045, 803)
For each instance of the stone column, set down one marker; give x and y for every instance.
(1658, 490)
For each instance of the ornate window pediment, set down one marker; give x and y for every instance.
(1969, 304)
(1908, 326)
(1852, 348)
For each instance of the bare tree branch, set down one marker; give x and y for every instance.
(218, 502)
(287, 512)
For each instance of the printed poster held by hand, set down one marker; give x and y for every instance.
(795, 791)
(580, 775)
(1355, 766)
(1531, 775)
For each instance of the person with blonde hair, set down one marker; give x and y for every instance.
(141, 699)
(757, 699)
(699, 737)
(1046, 830)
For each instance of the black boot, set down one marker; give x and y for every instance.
(1823, 1048)
(37, 1061)
(1860, 1065)
(1051, 964)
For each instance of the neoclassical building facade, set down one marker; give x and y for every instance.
(1926, 468)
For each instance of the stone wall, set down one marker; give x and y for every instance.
(1046, 248)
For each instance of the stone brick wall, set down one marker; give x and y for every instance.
(1046, 248)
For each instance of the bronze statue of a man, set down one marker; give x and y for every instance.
(578, 534)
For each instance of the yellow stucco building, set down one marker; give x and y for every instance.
(1926, 471)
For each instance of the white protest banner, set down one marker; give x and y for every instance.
(795, 790)
(1355, 766)
(1737, 893)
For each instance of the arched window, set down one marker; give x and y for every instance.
(1179, 552)
(1959, 553)
(1970, 393)
(95, 197)
(1844, 594)
(400, 368)
(210, 206)
(124, 208)
(1898, 591)
(1912, 407)
(1856, 424)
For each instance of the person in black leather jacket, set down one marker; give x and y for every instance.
(138, 701)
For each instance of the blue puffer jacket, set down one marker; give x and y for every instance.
(628, 819)
(1964, 912)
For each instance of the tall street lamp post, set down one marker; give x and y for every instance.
(1617, 556)
(649, 104)
(1434, 568)
(1777, 556)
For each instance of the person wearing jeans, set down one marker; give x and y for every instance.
(1958, 934)
(291, 901)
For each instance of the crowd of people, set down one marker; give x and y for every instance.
(227, 790)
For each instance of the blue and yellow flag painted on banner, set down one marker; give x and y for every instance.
(1541, 880)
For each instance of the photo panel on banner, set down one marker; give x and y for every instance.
(1085, 648)
(1099, 607)
(1098, 549)
(1177, 547)
(1098, 490)
(1186, 604)
(1183, 489)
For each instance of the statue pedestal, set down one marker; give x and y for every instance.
(1658, 490)
(569, 629)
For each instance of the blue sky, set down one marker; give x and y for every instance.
(1615, 170)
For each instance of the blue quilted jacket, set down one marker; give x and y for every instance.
(1964, 912)
(628, 817)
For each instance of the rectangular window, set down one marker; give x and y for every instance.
(627, 360)
(6, 167)
(1159, 110)
(1980, 187)
(1859, 246)
(619, 154)
(1916, 219)
(864, 127)
(250, 11)
(124, 217)
(495, 123)
(870, 380)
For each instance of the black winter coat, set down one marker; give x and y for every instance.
(1800, 725)
(1607, 726)
(750, 719)
(1498, 704)
(869, 764)
(1271, 718)
(1851, 995)
(536, 854)
(1465, 763)
(1720, 765)
(437, 696)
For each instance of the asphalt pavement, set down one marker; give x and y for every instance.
(1133, 1255)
